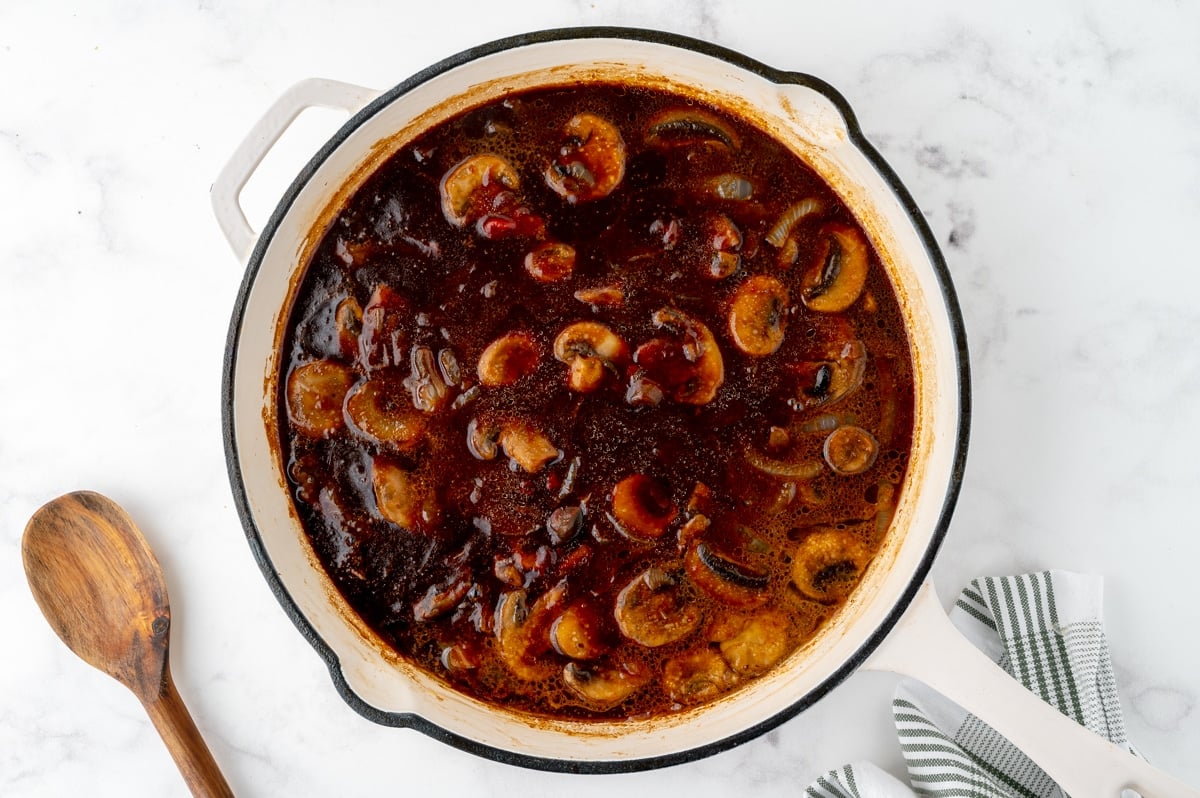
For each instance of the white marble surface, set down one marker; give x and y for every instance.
(1055, 151)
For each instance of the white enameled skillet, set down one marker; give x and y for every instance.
(892, 622)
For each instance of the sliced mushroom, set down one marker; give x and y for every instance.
(550, 262)
(697, 677)
(850, 450)
(507, 359)
(642, 391)
(685, 127)
(726, 240)
(448, 367)
(585, 374)
(425, 383)
(380, 409)
(482, 189)
(654, 609)
(507, 571)
(603, 296)
(589, 348)
(689, 367)
(383, 338)
(828, 564)
(642, 507)
(758, 315)
(698, 341)
(825, 382)
(315, 393)
(588, 339)
(441, 598)
(483, 439)
(724, 264)
(760, 644)
(404, 497)
(591, 162)
(667, 231)
(725, 579)
(835, 279)
(605, 687)
(692, 529)
(579, 633)
(564, 523)
(526, 446)
(464, 186)
(522, 631)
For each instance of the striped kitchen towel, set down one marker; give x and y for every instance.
(1045, 630)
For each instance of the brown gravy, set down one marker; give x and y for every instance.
(595, 403)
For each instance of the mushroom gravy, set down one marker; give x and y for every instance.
(596, 402)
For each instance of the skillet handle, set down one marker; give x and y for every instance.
(926, 646)
(227, 189)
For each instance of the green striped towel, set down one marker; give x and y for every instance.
(1045, 630)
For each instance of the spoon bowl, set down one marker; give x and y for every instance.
(102, 591)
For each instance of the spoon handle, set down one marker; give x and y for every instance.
(183, 740)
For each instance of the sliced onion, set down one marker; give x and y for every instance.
(731, 187)
(803, 469)
(826, 422)
(782, 228)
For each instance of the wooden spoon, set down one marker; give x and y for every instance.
(103, 592)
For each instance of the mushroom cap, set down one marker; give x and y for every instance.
(589, 339)
(507, 359)
(459, 185)
(758, 315)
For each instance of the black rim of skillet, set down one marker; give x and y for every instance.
(403, 719)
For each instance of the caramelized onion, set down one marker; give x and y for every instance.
(800, 469)
(783, 226)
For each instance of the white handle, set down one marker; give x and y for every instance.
(813, 112)
(227, 189)
(927, 647)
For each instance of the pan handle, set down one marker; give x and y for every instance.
(227, 188)
(926, 646)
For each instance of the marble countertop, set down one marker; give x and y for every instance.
(1054, 149)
